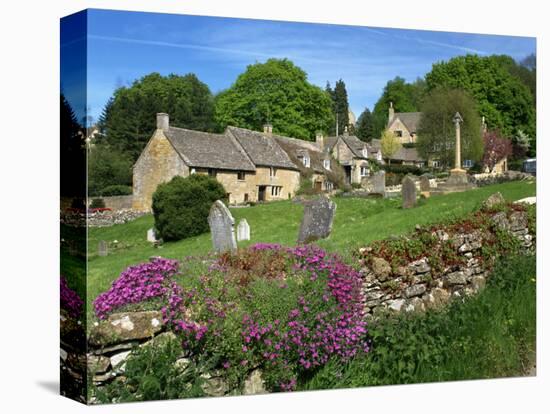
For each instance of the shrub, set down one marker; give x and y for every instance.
(181, 206)
(403, 169)
(97, 203)
(116, 190)
(307, 188)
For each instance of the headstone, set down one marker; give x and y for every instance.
(424, 183)
(243, 230)
(408, 191)
(379, 182)
(102, 248)
(222, 228)
(317, 220)
(151, 236)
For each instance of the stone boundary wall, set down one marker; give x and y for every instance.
(415, 287)
(116, 202)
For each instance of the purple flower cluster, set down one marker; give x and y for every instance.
(137, 284)
(70, 301)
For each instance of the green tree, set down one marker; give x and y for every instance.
(365, 126)
(502, 98)
(436, 132)
(340, 106)
(107, 167)
(389, 144)
(277, 92)
(405, 97)
(73, 152)
(128, 120)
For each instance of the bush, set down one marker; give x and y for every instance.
(404, 169)
(306, 188)
(181, 206)
(97, 203)
(116, 190)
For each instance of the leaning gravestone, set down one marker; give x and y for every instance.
(379, 182)
(424, 183)
(317, 220)
(102, 248)
(408, 191)
(151, 236)
(222, 228)
(243, 230)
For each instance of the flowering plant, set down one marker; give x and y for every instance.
(70, 301)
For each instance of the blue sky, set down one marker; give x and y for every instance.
(123, 46)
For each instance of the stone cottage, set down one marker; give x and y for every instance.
(251, 165)
(352, 154)
(403, 124)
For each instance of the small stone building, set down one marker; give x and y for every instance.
(251, 165)
(403, 124)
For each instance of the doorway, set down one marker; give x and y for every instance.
(261, 192)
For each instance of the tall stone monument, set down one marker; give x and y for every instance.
(222, 224)
(317, 220)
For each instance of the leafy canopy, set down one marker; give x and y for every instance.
(128, 120)
(277, 92)
(389, 144)
(436, 131)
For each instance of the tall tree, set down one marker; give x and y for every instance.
(389, 144)
(72, 151)
(129, 118)
(277, 92)
(502, 98)
(341, 105)
(365, 126)
(405, 97)
(436, 132)
(496, 148)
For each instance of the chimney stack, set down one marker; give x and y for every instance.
(391, 112)
(268, 129)
(163, 121)
(320, 140)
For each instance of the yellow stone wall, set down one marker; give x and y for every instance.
(159, 162)
(406, 137)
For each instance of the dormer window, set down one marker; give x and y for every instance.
(193, 171)
(365, 152)
(305, 160)
(379, 155)
(326, 164)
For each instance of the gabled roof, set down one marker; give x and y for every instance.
(354, 144)
(409, 119)
(262, 149)
(296, 147)
(407, 154)
(207, 150)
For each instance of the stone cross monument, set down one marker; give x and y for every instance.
(457, 119)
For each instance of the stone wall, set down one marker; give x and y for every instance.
(116, 202)
(416, 286)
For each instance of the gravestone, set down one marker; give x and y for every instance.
(243, 230)
(317, 220)
(408, 191)
(222, 224)
(102, 248)
(379, 182)
(424, 183)
(151, 236)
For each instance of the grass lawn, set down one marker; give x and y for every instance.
(357, 222)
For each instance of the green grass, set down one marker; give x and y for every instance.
(357, 222)
(491, 335)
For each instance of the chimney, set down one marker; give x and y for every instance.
(320, 140)
(391, 112)
(268, 129)
(163, 121)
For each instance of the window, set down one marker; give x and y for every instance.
(436, 164)
(212, 172)
(328, 186)
(379, 155)
(193, 171)
(276, 190)
(398, 133)
(305, 160)
(326, 164)
(364, 171)
(272, 172)
(365, 152)
(468, 164)
(241, 175)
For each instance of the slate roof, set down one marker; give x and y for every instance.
(355, 145)
(261, 148)
(407, 154)
(206, 150)
(294, 147)
(409, 119)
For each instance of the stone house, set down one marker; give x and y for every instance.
(403, 124)
(250, 165)
(352, 154)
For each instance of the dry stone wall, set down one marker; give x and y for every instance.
(417, 285)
